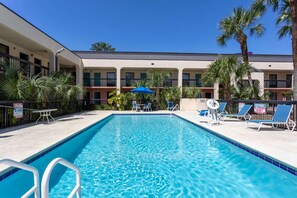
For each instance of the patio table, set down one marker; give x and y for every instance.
(44, 113)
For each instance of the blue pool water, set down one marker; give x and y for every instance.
(157, 156)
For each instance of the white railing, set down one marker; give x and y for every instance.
(20, 165)
(47, 174)
(175, 107)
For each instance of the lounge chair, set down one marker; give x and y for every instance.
(222, 108)
(147, 107)
(135, 106)
(281, 116)
(243, 113)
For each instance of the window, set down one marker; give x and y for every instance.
(129, 78)
(4, 60)
(37, 67)
(186, 79)
(168, 81)
(97, 98)
(272, 80)
(208, 95)
(87, 79)
(97, 79)
(143, 76)
(288, 80)
(24, 65)
(87, 98)
(4, 49)
(198, 80)
(111, 79)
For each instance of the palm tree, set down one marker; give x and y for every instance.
(11, 85)
(156, 80)
(63, 87)
(14, 86)
(260, 6)
(285, 20)
(102, 47)
(191, 92)
(226, 71)
(236, 26)
(171, 94)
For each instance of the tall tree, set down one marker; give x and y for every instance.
(284, 20)
(236, 27)
(156, 80)
(278, 5)
(226, 71)
(102, 47)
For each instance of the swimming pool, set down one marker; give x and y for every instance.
(157, 155)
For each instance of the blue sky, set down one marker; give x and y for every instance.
(145, 25)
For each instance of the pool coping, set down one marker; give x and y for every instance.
(278, 163)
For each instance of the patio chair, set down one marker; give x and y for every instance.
(147, 107)
(281, 116)
(243, 113)
(170, 106)
(135, 106)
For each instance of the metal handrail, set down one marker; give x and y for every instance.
(47, 174)
(20, 165)
(175, 107)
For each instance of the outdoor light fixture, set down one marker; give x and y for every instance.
(59, 51)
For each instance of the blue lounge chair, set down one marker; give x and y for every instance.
(135, 106)
(281, 116)
(222, 108)
(243, 113)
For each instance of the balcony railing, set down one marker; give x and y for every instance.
(131, 82)
(194, 83)
(277, 83)
(108, 82)
(246, 82)
(29, 69)
(100, 82)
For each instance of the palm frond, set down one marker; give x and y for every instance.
(258, 30)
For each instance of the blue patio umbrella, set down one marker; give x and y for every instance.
(142, 90)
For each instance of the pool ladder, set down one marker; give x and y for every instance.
(46, 177)
(175, 107)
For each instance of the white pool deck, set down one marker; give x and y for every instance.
(23, 142)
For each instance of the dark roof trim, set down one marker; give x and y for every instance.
(120, 55)
(37, 28)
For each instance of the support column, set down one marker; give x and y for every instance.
(118, 80)
(259, 76)
(79, 78)
(52, 62)
(180, 80)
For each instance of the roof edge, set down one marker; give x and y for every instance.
(38, 29)
(173, 53)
